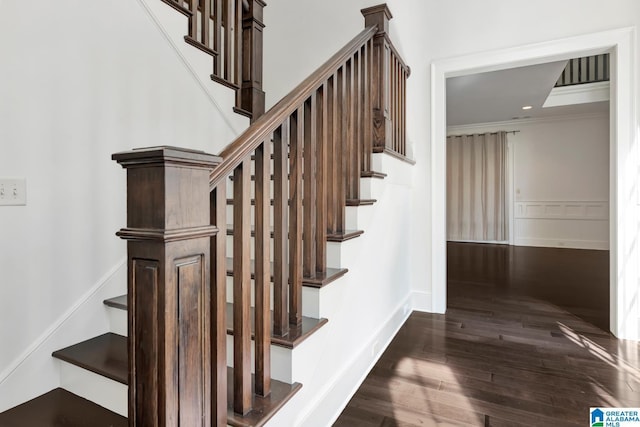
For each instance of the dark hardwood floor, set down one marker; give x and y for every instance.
(524, 342)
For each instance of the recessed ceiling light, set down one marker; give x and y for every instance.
(527, 107)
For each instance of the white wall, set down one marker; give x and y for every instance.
(559, 180)
(79, 81)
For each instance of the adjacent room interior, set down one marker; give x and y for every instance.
(528, 194)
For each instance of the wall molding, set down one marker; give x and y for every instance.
(514, 124)
(562, 210)
(562, 243)
(578, 94)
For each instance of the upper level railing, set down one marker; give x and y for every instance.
(389, 91)
(231, 32)
(291, 173)
(588, 69)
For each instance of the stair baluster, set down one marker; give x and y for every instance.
(241, 288)
(219, 380)
(263, 270)
(280, 226)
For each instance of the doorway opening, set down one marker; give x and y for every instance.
(623, 273)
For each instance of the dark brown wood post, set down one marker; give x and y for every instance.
(168, 233)
(252, 95)
(380, 87)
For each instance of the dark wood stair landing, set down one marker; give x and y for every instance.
(60, 408)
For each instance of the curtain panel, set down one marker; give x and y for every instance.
(476, 187)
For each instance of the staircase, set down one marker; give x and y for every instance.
(234, 260)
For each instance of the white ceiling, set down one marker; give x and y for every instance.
(500, 95)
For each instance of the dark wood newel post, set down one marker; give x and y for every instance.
(252, 95)
(380, 88)
(169, 233)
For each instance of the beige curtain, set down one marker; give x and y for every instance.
(476, 181)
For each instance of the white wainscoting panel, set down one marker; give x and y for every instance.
(568, 224)
(572, 210)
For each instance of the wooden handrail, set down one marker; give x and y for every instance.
(261, 129)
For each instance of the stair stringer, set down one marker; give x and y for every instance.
(365, 308)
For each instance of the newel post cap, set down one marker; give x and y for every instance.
(167, 192)
(377, 15)
(167, 155)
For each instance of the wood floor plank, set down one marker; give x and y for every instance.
(524, 342)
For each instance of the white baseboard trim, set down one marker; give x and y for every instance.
(492, 242)
(562, 243)
(421, 301)
(38, 355)
(356, 370)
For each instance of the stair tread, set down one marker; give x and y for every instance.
(334, 237)
(291, 340)
(105, 355)
(320, 280)
(373, 174)
(360, 202)
(263, 407)
(363, 174)
(117, 302)
(349, 202)
(344, 236)
(60, 408)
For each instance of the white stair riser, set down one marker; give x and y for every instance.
(371, 188)
(344, 254)
(358, 217)
(281, 360)
(310, 297)
(118, 321)
(94, 387)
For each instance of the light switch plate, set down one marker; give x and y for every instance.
(13, 191)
